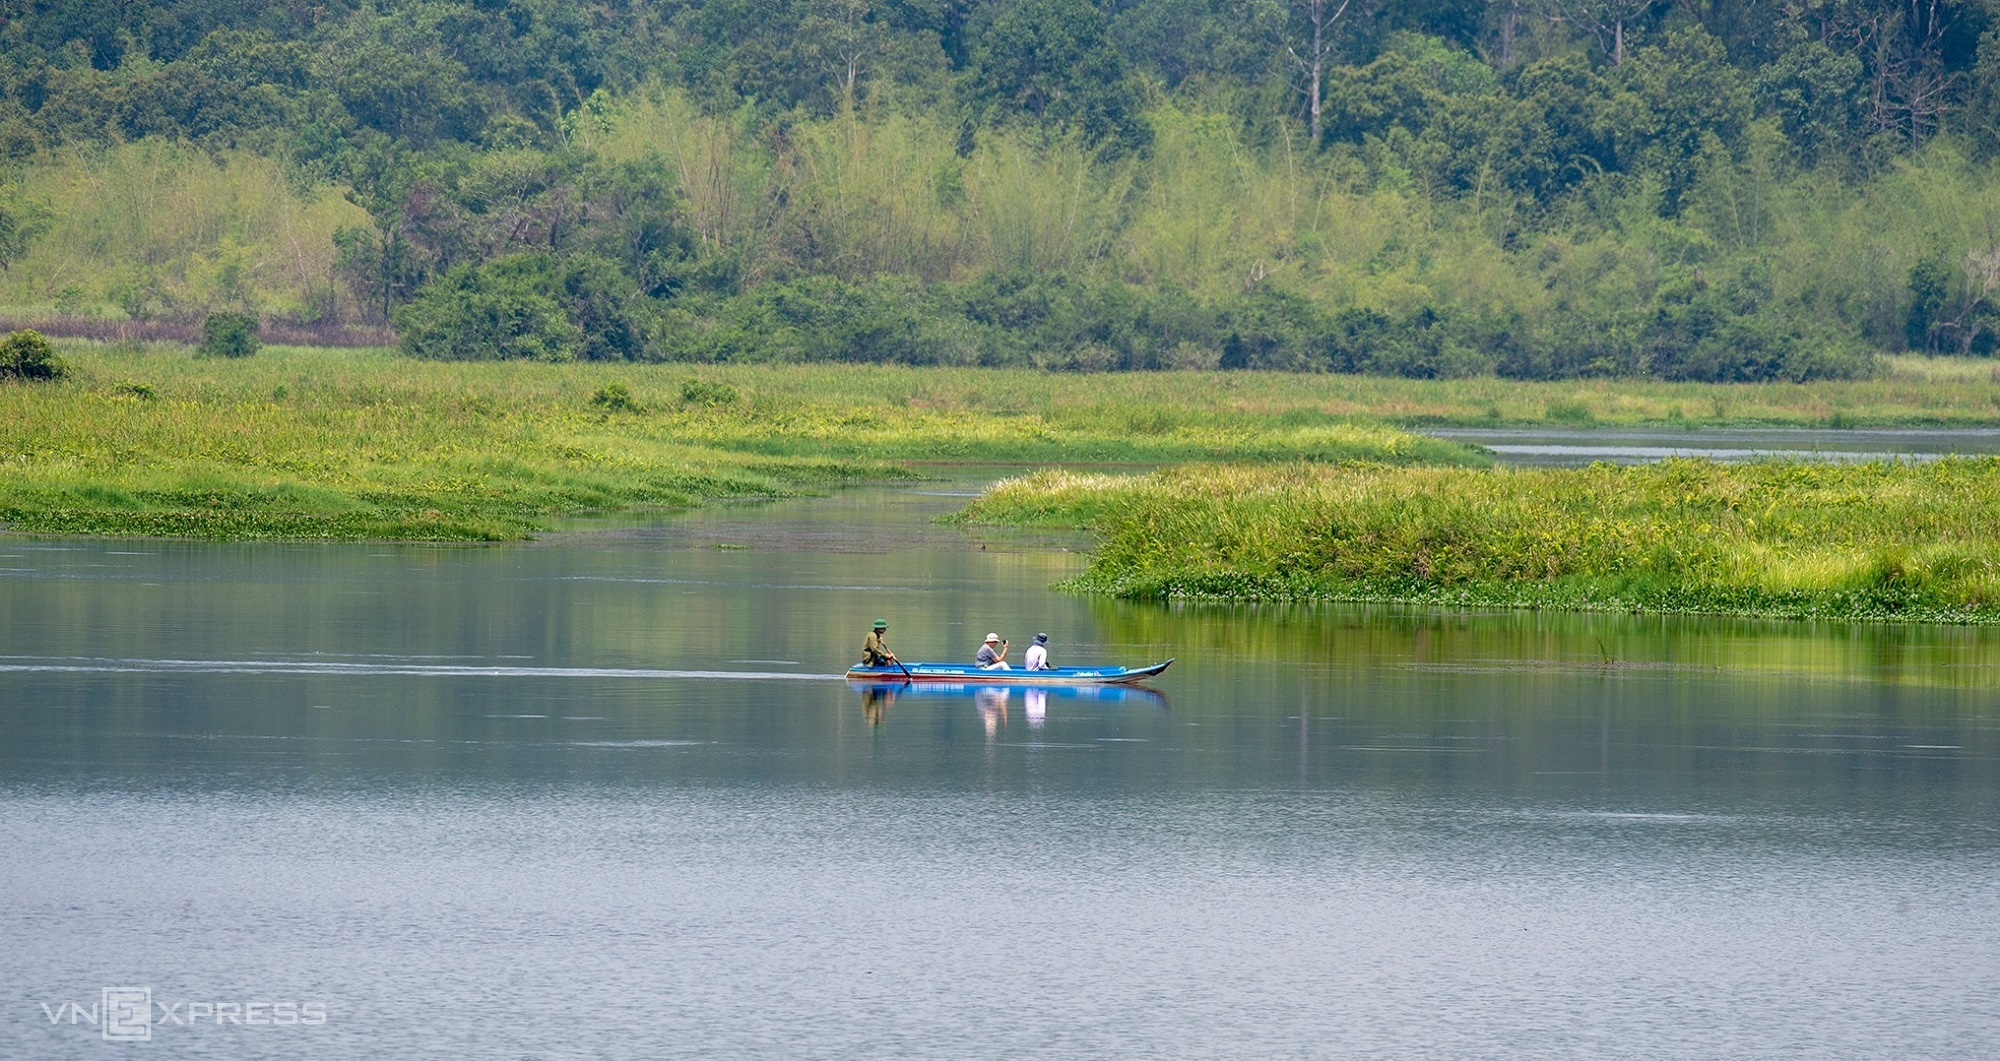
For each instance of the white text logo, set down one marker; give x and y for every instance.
(129, 1014)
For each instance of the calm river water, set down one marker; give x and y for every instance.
(605, 796)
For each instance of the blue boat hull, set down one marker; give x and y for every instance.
(1132, 694)
(967, 674)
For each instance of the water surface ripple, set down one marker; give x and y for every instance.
(604, 797)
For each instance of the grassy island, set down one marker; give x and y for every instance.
(1781, 539)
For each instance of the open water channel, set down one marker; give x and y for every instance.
(606, 796)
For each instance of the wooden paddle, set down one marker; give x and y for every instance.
(899, 666)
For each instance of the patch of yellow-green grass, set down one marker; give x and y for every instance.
(1151, 408)
(314, 445)
(311, 443)
(1920, 368)
(1166, 413)
(1793, 539)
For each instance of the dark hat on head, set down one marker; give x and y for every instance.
(1041, 639)
(881, 624)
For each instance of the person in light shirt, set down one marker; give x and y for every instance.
(1037, 657)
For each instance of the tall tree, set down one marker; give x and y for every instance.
(847, 38)
(1981, 119)
(1215, 41)
(1605, 21)
(1914, 86)
(1688, 95)
(1918, 53)
(1311, 41)
(1053, 60)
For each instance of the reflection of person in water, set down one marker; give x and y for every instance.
(1037, 707)
(992, 707)
(876, 702)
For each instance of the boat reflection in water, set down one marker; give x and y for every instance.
(993, 702)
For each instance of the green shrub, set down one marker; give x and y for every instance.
(702, 392)
(1072, 322)
(606, 305)
(888, 319)
(1270, 328)
(72, 301)
(616, 398)
(505, 310)
(532, 307)
(229, 335)
(131, 388)
(27, 355)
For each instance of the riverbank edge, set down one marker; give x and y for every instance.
(310, 444)
(426, 525)
(264, 511)
(1559, 595)
(317, 444)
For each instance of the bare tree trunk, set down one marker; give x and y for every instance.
(388, 268)
(1313, 63)
(1318, 64)
(1604, 20)
(853, 47)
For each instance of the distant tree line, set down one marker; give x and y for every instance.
(1540, 188)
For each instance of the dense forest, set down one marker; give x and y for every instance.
(1695, 189)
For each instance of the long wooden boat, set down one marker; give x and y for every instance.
(1133, 694)
(971, 674)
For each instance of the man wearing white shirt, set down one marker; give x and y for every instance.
(1038, 654)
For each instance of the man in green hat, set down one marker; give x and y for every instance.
(874, 651)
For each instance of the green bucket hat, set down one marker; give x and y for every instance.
(881, 624)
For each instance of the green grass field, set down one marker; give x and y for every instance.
(310, 443)
(1912, 391)
(1781, 538)
(346, 444)
(1176, 415)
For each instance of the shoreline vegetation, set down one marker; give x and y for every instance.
(305, 443)
(1901, 541)
(302, 443)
